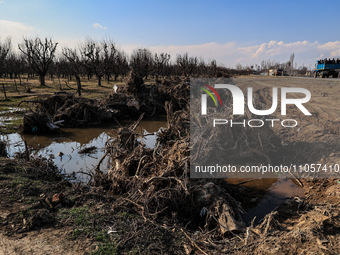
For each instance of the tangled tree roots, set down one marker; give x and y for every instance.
(156, 181)
(69, 110)
(34, 122)
(66, 109)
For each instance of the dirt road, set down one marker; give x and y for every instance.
(314, 135)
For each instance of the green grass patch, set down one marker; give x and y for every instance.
(30, 200)
(12, 101)
(77, 233)
(4, 108)
(23, 183)
(83, 221)
(106, 249)
(102, 236)
(13, 198)
(11, 126)
(80, 216)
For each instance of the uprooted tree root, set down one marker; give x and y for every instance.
(156, 184)
(68, 110)
(156, 181)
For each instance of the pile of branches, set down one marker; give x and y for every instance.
(124, 105)
(36, 122)
(130, 101)
(66, 109)
(176, 91)
(80, 112)
(148, 98)
(156, 182)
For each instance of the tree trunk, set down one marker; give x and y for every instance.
(78, 85)
(60, 87)
(99, 80)
(4, 90)
(42, 80)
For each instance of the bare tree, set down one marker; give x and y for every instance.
(291, 63)
(141, 62)
(76, 64)
(98, 57)
(213, 68)
(160, 63)
(120, 65)
(39, 55)
(187, 64)
(11, 65)
(239, 67)
(5, 47)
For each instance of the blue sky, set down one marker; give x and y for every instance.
(244, 31)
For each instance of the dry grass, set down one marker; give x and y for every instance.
(16, 92)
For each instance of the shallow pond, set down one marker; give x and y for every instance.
(268, 194)
(64, 148)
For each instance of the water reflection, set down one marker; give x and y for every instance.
(267, 194)
(64, 148)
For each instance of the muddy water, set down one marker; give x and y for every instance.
(64, 148)
(267, 194)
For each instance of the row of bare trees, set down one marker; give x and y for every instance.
(102, 59)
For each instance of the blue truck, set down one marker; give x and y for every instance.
(327, 67)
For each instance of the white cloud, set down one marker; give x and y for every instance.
(15, 30)
(231, 53)
(98, 26)
(2, 1)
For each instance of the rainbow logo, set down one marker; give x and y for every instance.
(209, 93)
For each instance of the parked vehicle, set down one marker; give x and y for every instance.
(276, 72)
(326, 68)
